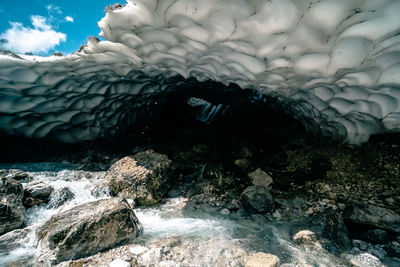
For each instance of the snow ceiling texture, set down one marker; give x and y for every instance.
(337, 62)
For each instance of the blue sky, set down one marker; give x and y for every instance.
(45, 26)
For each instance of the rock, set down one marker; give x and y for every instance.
(119, 263)
(260, 178)
(60, 196)
(242, 163)
(15, 174)
(37, 193)
(143, 177)
(306, 238)
(393, 250)
(363, 260)
(138, 250)
(257, 199)
(329, 229)
(100, 190)
(12, 212)
(261, 259)
(277, 215)
(14, 239)
(85, 230)
(375, 236)
(359, 214)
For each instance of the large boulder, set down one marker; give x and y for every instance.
(85, 230)
(143, 177)
(36, 193)
(12, 212)
(257, 199)
(359, 214)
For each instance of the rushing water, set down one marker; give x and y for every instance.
(166, 220)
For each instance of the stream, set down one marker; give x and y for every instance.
(211, 235)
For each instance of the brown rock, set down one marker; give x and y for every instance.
(261, 259)
(143, 177)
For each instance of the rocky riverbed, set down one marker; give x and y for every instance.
(306, 204)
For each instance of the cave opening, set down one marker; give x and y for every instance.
(192, 112)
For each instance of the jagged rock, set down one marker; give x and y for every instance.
(36, 193)
(307, 238)
(260, 178)
(329, 229)
(372, 216)
(60, 196)
(257, 199)
(15, 174)
(143, 177)
(85, 230)
(12, 212)
(261, 259)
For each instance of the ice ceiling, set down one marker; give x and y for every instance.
(335, 62)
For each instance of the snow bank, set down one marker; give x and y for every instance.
(336, 61)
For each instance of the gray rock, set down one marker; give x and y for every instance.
(372, 216)
(257, 199)
(12, 212)
(37, 193)
(14, 239)
(15, 174)
(85, 230)
(143, 177)
(363, 260)
(60, 196)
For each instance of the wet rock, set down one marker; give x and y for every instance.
(85, 230)
(261, 259)
(14, 239)
(100, 190)
(360, 214)
(306, 238)
(60, 196)
(36, 193)
(329, 229)
(257, 199)
(260, 178)
(12, 211)
(364, 259)
(15, 174)
(143, 177)
(375, 236)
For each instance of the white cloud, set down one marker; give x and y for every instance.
(69, 19)
(41, 38)
(54, 9)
